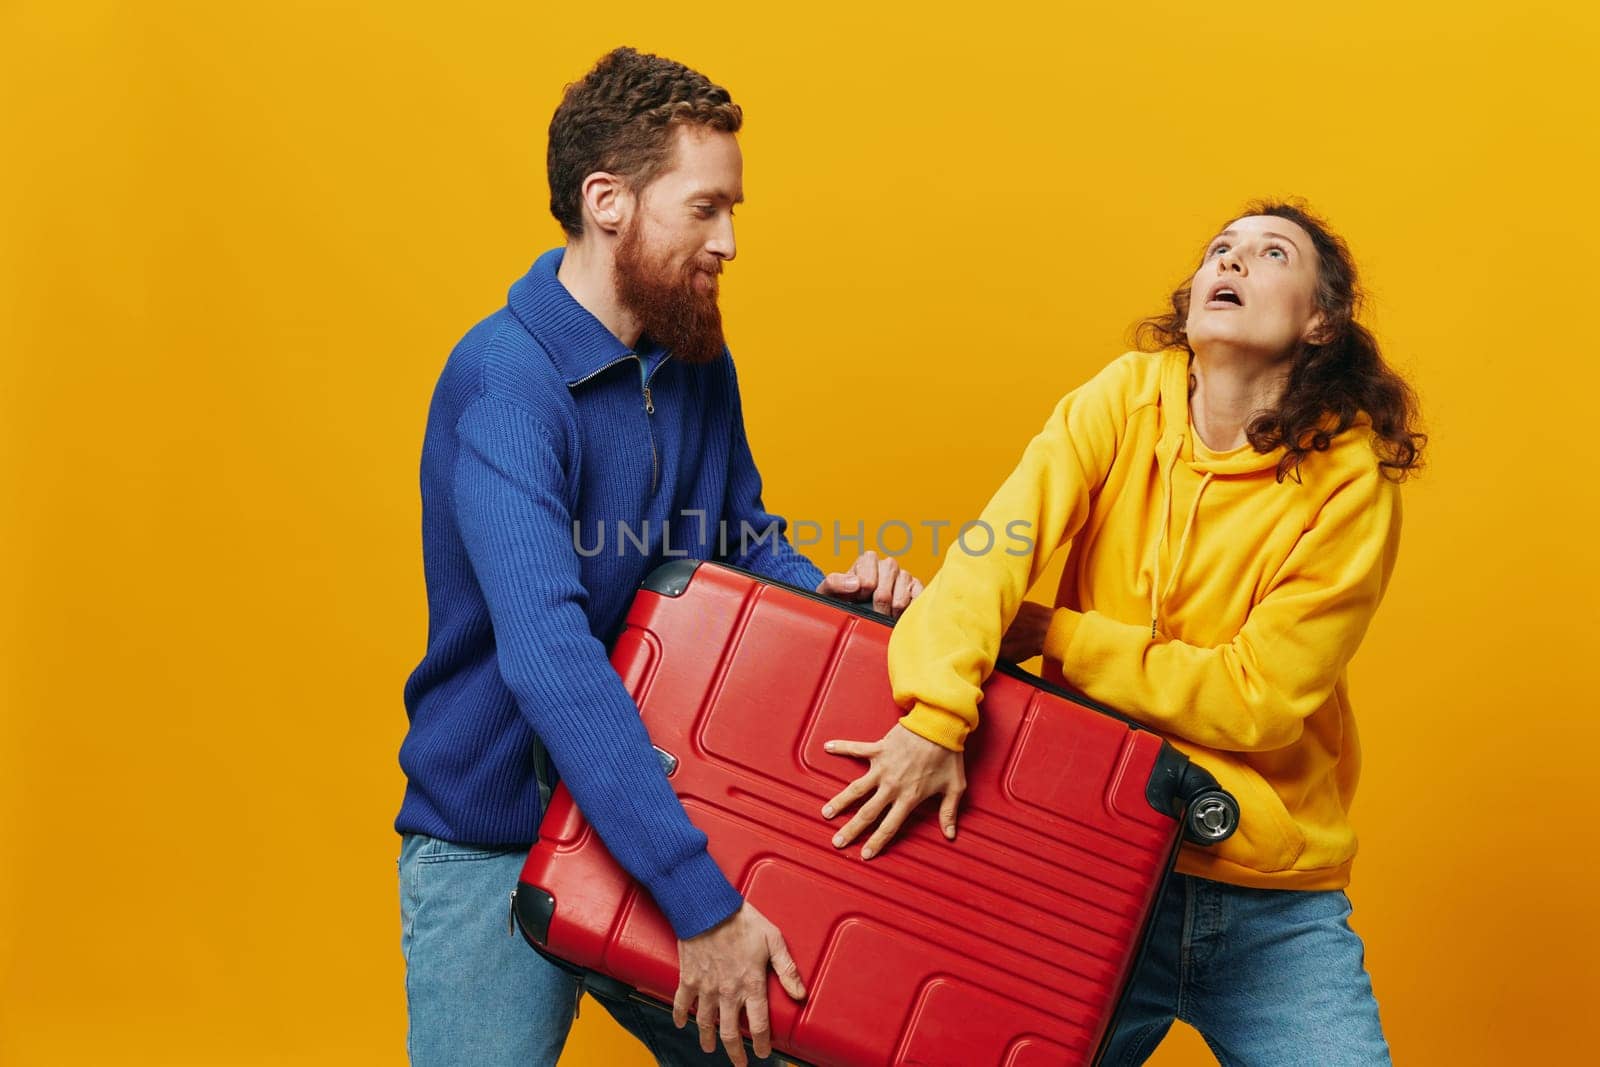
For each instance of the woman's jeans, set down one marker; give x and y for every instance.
(1268, 976)
(477, 994)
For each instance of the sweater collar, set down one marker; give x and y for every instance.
(578, 343)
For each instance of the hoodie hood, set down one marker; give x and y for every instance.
(1178, 438)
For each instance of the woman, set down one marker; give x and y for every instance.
(1230, 495)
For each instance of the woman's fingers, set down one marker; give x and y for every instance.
(865, 817)
(890, 825)
(905, 770)
(947, 810)
(849, 795)
(859, 749)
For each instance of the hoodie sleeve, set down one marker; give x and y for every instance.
(944, 646)
(1255, 692)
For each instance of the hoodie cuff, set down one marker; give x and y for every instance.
(944, 728)
(1058, 638)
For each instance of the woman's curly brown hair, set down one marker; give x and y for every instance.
(619, 119)
(1333, 379)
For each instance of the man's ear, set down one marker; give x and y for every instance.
(607, 202)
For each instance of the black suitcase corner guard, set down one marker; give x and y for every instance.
(671, 579)
(533, 909)
(1182, 788)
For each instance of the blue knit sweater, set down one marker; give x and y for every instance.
(544, 434)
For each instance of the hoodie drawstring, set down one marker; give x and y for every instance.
(1158, 593)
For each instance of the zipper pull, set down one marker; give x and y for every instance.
(649, 405)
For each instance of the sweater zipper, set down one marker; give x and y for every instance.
(600, 371)
(649, 406)
(650, 410)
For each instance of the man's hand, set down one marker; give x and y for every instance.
(1025, 638)
(724, 970)
(882, 581)
(904, 771)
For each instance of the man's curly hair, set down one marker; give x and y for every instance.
(619, 119)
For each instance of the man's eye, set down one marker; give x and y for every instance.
(705, 211)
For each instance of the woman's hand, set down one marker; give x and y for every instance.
(1025, 639)
(904, 771)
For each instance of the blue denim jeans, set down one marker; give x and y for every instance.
(477, 994)
(1268, 976)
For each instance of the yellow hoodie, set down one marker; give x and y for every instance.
(1201, 597)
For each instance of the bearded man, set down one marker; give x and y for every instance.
(600, 400)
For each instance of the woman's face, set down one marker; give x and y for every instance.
(1255, 291)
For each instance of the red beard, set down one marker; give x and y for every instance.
(670, 309)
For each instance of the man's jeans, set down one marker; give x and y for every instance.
(1268, 976)
(477, 994)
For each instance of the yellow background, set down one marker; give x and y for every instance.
(237, 244)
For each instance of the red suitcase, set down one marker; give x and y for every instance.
(1011, 946)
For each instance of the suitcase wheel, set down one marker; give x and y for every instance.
(1213, 816)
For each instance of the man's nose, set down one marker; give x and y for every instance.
(722, 244)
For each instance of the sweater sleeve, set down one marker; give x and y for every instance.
(757, 539)
(1255, 692)
(517, 530)
(944, 646)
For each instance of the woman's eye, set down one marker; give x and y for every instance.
(1218, 249)
(1281, 253)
